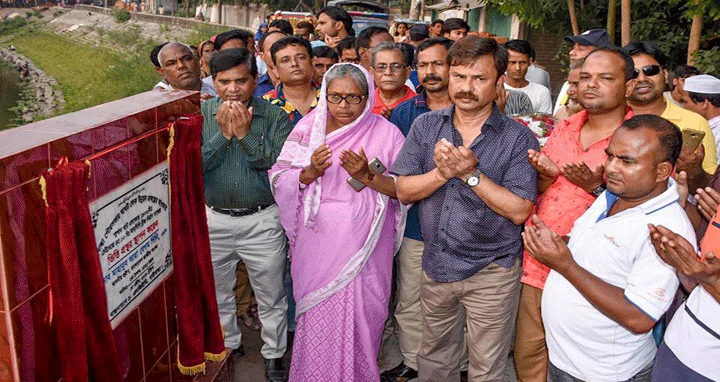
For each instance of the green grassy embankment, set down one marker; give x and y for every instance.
(87, 75)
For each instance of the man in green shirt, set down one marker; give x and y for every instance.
(242, 137)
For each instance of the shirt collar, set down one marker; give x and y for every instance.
(495, 120)
(714, 121)
(420, 99)
(264, 78)
(668, 197)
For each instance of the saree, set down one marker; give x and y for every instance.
(342, 243)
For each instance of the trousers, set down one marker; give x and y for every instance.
(259, 241)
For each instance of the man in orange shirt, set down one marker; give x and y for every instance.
(390, 69)
(570, 176)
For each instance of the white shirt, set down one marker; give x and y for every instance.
(715, 127)
(206, 87)
(538, 75)
(581, 340)
(539, 96)
(694, 345)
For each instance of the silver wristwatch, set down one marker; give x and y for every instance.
(474, 179)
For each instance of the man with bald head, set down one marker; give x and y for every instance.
(180, 69)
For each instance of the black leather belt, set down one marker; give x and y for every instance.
(237, 212)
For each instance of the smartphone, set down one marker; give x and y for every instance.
(356, 184)
(376, 167)
(692, 138)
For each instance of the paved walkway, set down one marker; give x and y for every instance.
(250, 367)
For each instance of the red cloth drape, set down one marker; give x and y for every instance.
(199, 331)
(85, 339)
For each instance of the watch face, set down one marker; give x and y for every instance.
(473, 181)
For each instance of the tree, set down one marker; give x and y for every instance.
(625, 22)
(611, 19)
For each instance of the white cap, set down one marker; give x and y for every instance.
(703, 83)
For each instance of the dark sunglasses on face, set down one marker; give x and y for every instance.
(648, 71)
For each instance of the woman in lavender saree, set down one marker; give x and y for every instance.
(342, 241)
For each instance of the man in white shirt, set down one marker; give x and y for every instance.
(703, 97)
(691, 346)
(519, 52)
(608, 287)
(536, 73)
(180, 70)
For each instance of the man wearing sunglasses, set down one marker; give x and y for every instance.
(647, 98)
(390, 70)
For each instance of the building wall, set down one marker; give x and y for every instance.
(546, 46)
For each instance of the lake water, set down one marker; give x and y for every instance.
(9, 93)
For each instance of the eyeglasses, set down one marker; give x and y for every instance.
(352, 99)
(394, 68)
(648, 71)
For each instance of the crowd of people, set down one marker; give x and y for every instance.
(370, 184)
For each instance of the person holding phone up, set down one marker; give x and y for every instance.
(342, 241)
(698, 162)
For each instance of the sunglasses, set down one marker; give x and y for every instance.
(648, 71)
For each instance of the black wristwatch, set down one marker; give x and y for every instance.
(599, 190)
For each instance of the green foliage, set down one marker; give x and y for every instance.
(38, 14)
(121, 15)
(665, 22)
(11, 25)
(708, 61)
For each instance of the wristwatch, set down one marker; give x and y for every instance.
(474, 179)
(599, 190)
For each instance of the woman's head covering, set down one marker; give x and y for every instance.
(259, 33)
(313, 125)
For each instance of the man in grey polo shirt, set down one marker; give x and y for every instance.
(466, 166)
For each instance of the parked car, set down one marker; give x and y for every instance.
(365, 13)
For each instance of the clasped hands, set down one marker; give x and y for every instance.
(679, 253)
(578, 173)
(356, 164)
(547, 246)
(454, 162)
(234, 119)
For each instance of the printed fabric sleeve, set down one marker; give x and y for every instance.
(411, 158)
(521, 177)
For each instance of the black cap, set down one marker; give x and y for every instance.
(594, 37)
(419, 32)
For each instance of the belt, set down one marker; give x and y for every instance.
(237, 212)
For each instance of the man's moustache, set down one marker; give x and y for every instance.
(467, 95)
(431, 78)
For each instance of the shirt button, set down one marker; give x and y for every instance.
(235, 184)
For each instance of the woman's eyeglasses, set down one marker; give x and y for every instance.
(648, 71)
(352, 99)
